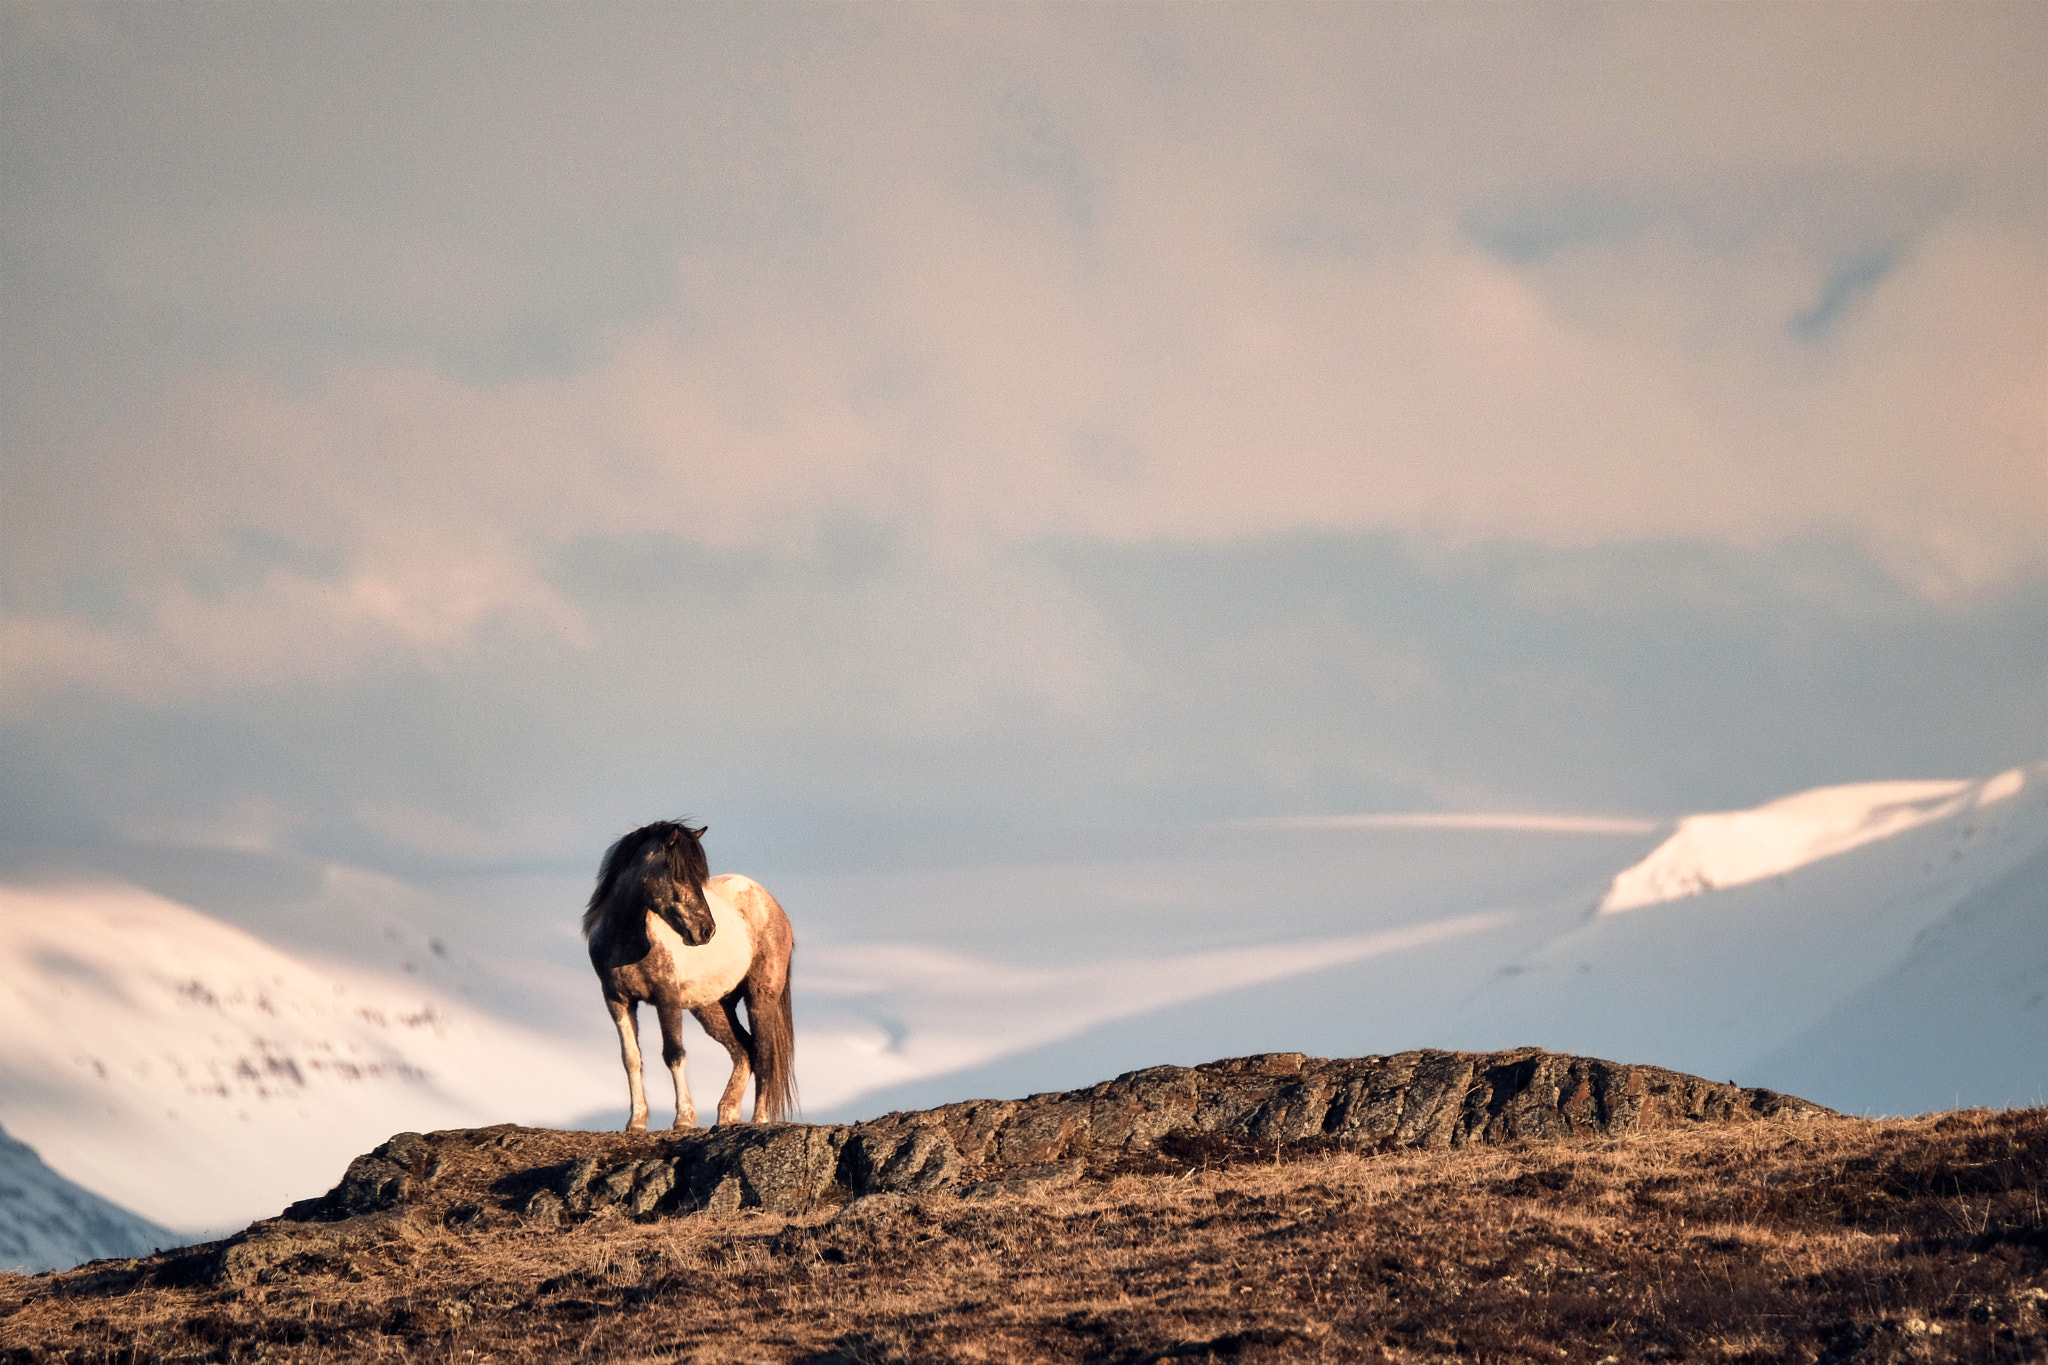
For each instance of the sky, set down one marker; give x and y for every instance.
(440, 438)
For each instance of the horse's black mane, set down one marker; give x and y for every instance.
(687, 866)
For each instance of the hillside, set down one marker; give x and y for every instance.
(47, 1222)
(200, 1077)
(1522, 1206)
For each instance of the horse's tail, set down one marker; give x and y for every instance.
(774, 1051)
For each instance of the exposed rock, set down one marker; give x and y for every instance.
(260, 1250)
(1161, 1118)
(1052, 1175)
(575, 1186)
(615, 1187)
(902, 1159)
(384, 1178)
(781, 1167)
(871, 1208)
(543, 1209)
(652, 1181)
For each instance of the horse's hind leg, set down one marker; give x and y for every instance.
(722, 1022)
(629, 1053)
(671, 1016)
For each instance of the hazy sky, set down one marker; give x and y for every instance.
(452, 434)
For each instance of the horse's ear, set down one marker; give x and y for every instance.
(700, 831)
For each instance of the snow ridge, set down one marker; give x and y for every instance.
(1734, 848)
(1870, 947)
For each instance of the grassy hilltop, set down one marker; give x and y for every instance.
(1690, 1228)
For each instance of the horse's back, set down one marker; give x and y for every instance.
(773, 938)
(761, 910)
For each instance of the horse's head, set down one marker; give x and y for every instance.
(658, 868)
(682, 849)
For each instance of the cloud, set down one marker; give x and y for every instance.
(976, 415)
(410, 413)
(1849, 281)
(920, 261)
(865, 700)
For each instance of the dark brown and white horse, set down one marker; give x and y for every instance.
(662, 930)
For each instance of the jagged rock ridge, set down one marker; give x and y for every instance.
(1163, 1118)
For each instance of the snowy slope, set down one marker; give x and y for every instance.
(1963, 1020)
(1881, 947)
(48, 1223)
(1341, 936)
(1871, 925)
(1334, 1006)
(195, 1074)
(880, 1016)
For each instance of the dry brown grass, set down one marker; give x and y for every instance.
(1796, 1241)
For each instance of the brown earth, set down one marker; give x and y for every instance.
(1434, 1206)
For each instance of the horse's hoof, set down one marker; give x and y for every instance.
(636, 1126)
(682, 1125)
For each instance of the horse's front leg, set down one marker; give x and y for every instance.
(671, 1016)
(722, 1022)
(623, 1012)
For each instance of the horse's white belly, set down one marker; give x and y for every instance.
(707, 973)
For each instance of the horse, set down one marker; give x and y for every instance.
(661, 929)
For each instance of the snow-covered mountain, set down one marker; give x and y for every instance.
(48, 1223)
(1877, 946)
(1881, 946)
(200, 1077)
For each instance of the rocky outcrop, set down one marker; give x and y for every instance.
(381, 1179)
(1164, 1118)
